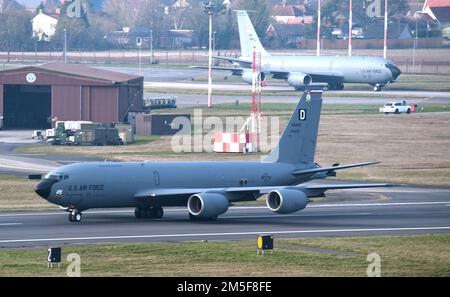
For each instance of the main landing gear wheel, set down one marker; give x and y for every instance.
(138, 213)
(75, 216)
(335, 86)
(151, 212)
(159, 212)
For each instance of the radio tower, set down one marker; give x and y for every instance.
(256, 99)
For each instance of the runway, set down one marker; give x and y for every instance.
(177, 80)
(401, 211)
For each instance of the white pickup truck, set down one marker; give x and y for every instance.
(396, 107)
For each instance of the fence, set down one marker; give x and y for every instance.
(340, 44)
(193, 57)
(437, 62)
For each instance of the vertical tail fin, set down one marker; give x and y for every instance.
(298, 142)
(248, 36)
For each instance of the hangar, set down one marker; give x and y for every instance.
(34, 97)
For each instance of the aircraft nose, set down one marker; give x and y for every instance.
(395, 71)
(44, 187)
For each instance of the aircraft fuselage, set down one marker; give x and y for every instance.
(124, 184)
(370, 70)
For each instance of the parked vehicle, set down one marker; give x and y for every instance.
(89, 133)
(37, 134)
(397, 107)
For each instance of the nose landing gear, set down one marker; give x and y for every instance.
(75, 216)
(378, 87)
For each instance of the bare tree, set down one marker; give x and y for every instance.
(16, 30)
(127, 13)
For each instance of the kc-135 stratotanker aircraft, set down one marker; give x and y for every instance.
(302, 71)
(206, 188)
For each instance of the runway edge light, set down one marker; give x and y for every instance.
(265, 243)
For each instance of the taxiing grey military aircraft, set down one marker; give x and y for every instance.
(301, 71)
(207, 188)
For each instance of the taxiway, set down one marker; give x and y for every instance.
(403, 210)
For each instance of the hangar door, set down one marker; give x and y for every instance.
(27, 107)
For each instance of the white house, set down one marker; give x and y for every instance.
(44, 25)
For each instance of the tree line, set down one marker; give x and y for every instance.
(89, 30)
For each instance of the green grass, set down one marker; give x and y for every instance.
(424, 255)
(5, 178)
(292, 93)
(17, 193)
(145, 139)
(327, 108)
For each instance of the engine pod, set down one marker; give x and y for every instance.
(285, 201)
(207, 205)
(247, 76)
(299, 79)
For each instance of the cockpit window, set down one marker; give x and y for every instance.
(57, 176)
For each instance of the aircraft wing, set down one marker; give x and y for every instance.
(243, 63)
(310, 190)
(323, 76)
(234, 70)
(326, 76)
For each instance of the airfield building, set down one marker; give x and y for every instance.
(35, 97)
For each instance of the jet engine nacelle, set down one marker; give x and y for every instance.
(207, 205)
(299, 79)
(247, 76)
(286, 201)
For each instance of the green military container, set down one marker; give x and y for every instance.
(88, 133)
(107, 135)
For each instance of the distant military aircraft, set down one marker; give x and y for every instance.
(206, 188)
(301, 71)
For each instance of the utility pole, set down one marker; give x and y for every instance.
(318, 27)
(208, 10)
(416, 16)
(350, 24)
(151, 47)
(139, 45)
(65, 46)
(385, 28)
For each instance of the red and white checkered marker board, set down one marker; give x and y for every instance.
(230, 142)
